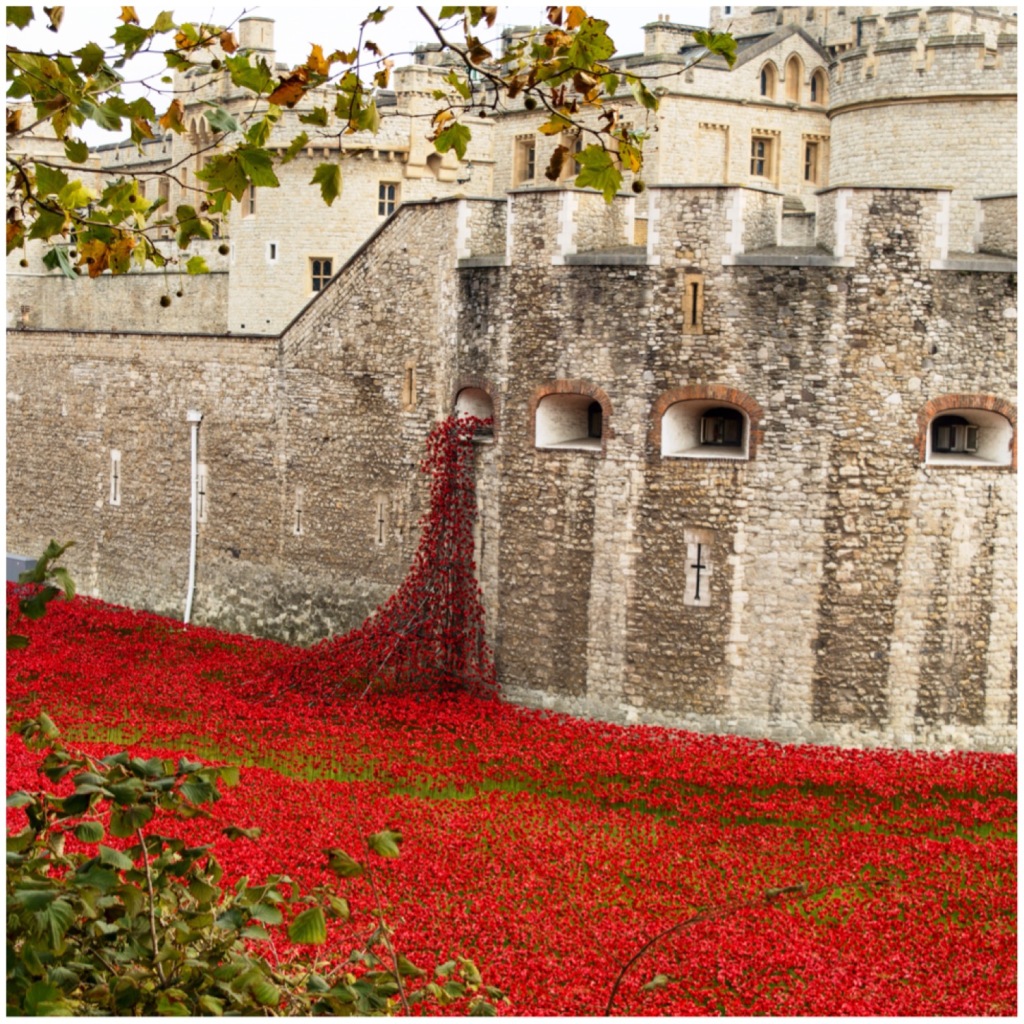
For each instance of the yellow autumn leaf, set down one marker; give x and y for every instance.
(128, 16)
(316, 62)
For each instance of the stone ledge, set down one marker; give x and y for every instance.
(607, 258)
(472, 262)
(976, 263)
(787, 256)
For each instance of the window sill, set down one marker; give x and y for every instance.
(579, 444)
(710, 452)
(957, 459)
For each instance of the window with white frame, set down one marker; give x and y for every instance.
(705, 429)
(202, 492)
(967, 437)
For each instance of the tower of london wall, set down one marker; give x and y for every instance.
(825, 576)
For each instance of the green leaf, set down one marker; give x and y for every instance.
(470, 972)
(212, 1005)
(657, 982)
(258, 166)
(482, 1008)
(95, 877)
(264, 992)
(234, 832)
(339, 907)
(124, 821)
(115, 858)
(220, 120)
(309, 927)
(47, 224)
(58, 258)
(456, 136)
(268, 915)
(317, 116)
(20, 799)
(254, 931)
(19, 16)
(197, 265)
(721, 43)
(91, 57)
(75, 195)
(385, 843)
(230, 775)
(49, 181)
(89, 831)
(295, 147)
(342, 864)
(328, 177)
(642, 94)
(598, 171)
(256, 76)
(407, 969)
(34, 607)
(445, 969)
(56, 919)
(40, 993)
(63, 579)
(16, 642)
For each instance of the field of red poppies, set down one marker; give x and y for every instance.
(550, 851)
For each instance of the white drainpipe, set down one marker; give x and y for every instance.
(195, 418)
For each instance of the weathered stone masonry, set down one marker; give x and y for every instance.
(850, 590)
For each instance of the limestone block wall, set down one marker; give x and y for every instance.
(823, 583)
(900, 111)
(997, 225)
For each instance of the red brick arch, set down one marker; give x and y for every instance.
(947, 403)
(709, 393)
(575, 386)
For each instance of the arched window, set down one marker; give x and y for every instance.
(964, 437)
(476, 402)
(819, 87)
(794, 74)
(703, 429)
(769, 76)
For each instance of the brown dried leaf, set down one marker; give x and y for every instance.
(128, 16)
(174, 117)
(555, 15)
(228, 43)
(291, 89)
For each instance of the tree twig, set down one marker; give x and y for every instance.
(152, 908)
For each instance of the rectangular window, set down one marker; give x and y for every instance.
(320, 272)
(408, 396)
(525, 165)
(249, 202)
(387, 198)
(380, 524)
(761, 157)
(811, 162)
(298, 526)
(115, 477)
(271, 252)
(693, 304)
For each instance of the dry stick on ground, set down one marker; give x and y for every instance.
(770, 898)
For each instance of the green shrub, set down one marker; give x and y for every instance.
(148, 929)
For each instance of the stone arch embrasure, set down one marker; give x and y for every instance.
(947, 403)
(483, 384)
(575, 386)
(713, 393)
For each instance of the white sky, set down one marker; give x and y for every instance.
(298, 25)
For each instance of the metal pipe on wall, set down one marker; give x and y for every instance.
(195, 418)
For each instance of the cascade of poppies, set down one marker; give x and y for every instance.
(429, 635)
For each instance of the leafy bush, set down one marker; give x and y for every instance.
(147, 929)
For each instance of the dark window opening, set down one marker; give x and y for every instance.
(722, 427)
(954, 434)
(595, 420)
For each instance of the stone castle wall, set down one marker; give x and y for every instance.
(914, 111)
(852, 592)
